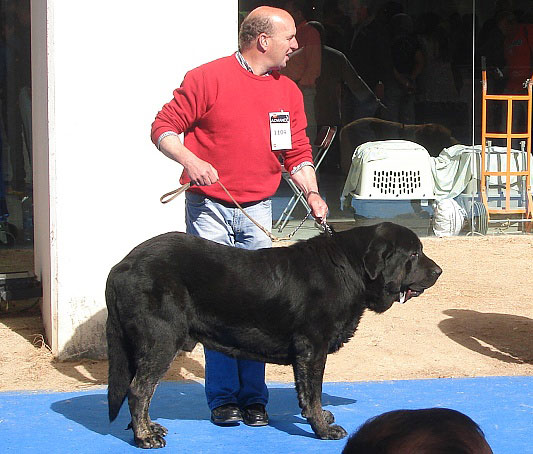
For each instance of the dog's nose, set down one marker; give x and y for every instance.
(436, 271)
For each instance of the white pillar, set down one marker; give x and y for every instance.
(101, 71)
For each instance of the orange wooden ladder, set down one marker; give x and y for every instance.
(506, 209)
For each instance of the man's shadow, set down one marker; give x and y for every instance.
(183, 401)
(500, 336)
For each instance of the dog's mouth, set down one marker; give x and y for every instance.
(408, 294)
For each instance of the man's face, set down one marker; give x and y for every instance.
(282, 42)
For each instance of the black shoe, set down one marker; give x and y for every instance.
(255, 415)
(228, 414)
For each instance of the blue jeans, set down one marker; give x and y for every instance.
(229, 380)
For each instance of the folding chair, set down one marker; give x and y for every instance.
(323, 141)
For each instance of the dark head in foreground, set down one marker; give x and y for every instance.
(286, 305)
(427, 431)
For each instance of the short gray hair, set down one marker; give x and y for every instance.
(252, 27)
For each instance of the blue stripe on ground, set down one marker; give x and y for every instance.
(77, 421)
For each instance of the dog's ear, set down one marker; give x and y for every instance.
(375, 257)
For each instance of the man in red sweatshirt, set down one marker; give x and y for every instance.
(238, 114)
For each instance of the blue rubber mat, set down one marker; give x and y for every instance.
(76, 422)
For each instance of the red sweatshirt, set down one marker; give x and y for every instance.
(224, 112)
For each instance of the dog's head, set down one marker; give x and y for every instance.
(434, 138)
(396, 267)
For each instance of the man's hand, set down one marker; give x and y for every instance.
(319, 208)
(305, 179)
(200, 172)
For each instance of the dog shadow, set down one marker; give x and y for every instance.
(84, 356)
(183, 401)
(503, 337)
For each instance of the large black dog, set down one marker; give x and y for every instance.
(286, 305)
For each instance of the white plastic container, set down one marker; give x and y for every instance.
(393, 170)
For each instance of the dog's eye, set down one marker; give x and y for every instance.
(414, 255)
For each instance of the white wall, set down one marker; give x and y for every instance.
(110, 68)
(41, 173)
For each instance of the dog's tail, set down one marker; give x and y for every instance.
(121, 369)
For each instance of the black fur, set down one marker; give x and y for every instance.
(285, 305)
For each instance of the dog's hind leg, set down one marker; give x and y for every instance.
(152, 363)
(308, 376)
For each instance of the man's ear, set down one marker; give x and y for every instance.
(262, 42)
(376, 256)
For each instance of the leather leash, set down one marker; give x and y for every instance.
(169, 196)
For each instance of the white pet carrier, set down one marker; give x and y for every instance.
(391, 170)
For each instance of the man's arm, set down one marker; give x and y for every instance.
(201, 172)
(305, 179)
(355, 83)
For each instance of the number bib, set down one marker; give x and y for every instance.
(280, 131)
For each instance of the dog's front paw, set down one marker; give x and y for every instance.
(334, 432)
(151, 441)
(158, 429)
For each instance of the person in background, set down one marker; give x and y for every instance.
(337, 26)
(239, 116)
(339, 84)
(407, 64)
(370, 50)
(305, 68)
(17, 82)
(518, 53)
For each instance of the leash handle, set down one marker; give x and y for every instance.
(169, 196)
